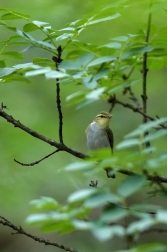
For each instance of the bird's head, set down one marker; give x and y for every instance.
(103, 119)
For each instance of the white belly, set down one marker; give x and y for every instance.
(96, 137)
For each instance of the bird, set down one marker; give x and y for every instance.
(99, 135)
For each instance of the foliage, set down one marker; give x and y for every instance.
(101, 72)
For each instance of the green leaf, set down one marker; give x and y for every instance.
(35, 42)
(48, 221)
(138, 50)
(82, 225)
(2, 64)
(85, 59)
(41, 24)
(64, 36)
(37, 72)
(62, 226)
(106, 233)
(147, 126)
(123, 84)
(116, 4)
(84, 103)
(44, 62)
(121, 38)
(100, 20)
(75, 97)
(95, 94)
(2, 23)
(15, 54)
(128, 143)
(44, 203)
(55, 74)
(10, 27)
(17, 78)
(6, 71)
(37, 219)
(152, 163)
(101, 73)
(100, 199)
(112, 214)
(101, 154)
(14, 15)
(89, 82)
(155, 135)
(70, 65)
(161, 216)
(141, 225)
(27, 65)
(30, 27)
(101, 60)
(81, 195)
(68, 29)
(131, 185)
(79, 99)
(156, 63)
(77, 166)
(44, 45)
(16, 40)
(114, 45)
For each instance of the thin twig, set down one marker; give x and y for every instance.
(114, 100)
(38, 161)
(19, 230)
(144, 73)
(145, 69)
(156, 178)
(129, 89)
(57, 61)
(59, 111)
(134, 99)
(157, 182)
(158, 230)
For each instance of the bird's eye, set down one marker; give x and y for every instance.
(102, 116)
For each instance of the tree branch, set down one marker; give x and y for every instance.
(60, 146)
(63, 147)
(145, 69)
(144, 73)
(19, 230)
(158, 230)
(113, 100)
(154, 178)
(38, 161)
(134, 98)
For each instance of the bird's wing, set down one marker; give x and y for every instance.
(110, 138)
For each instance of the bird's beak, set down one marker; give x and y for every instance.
(109, 117)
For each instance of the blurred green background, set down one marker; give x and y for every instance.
(35, 106)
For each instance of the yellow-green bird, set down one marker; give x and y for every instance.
(99, 135)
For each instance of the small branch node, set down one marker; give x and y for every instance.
(3, 106)
(93, 183)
